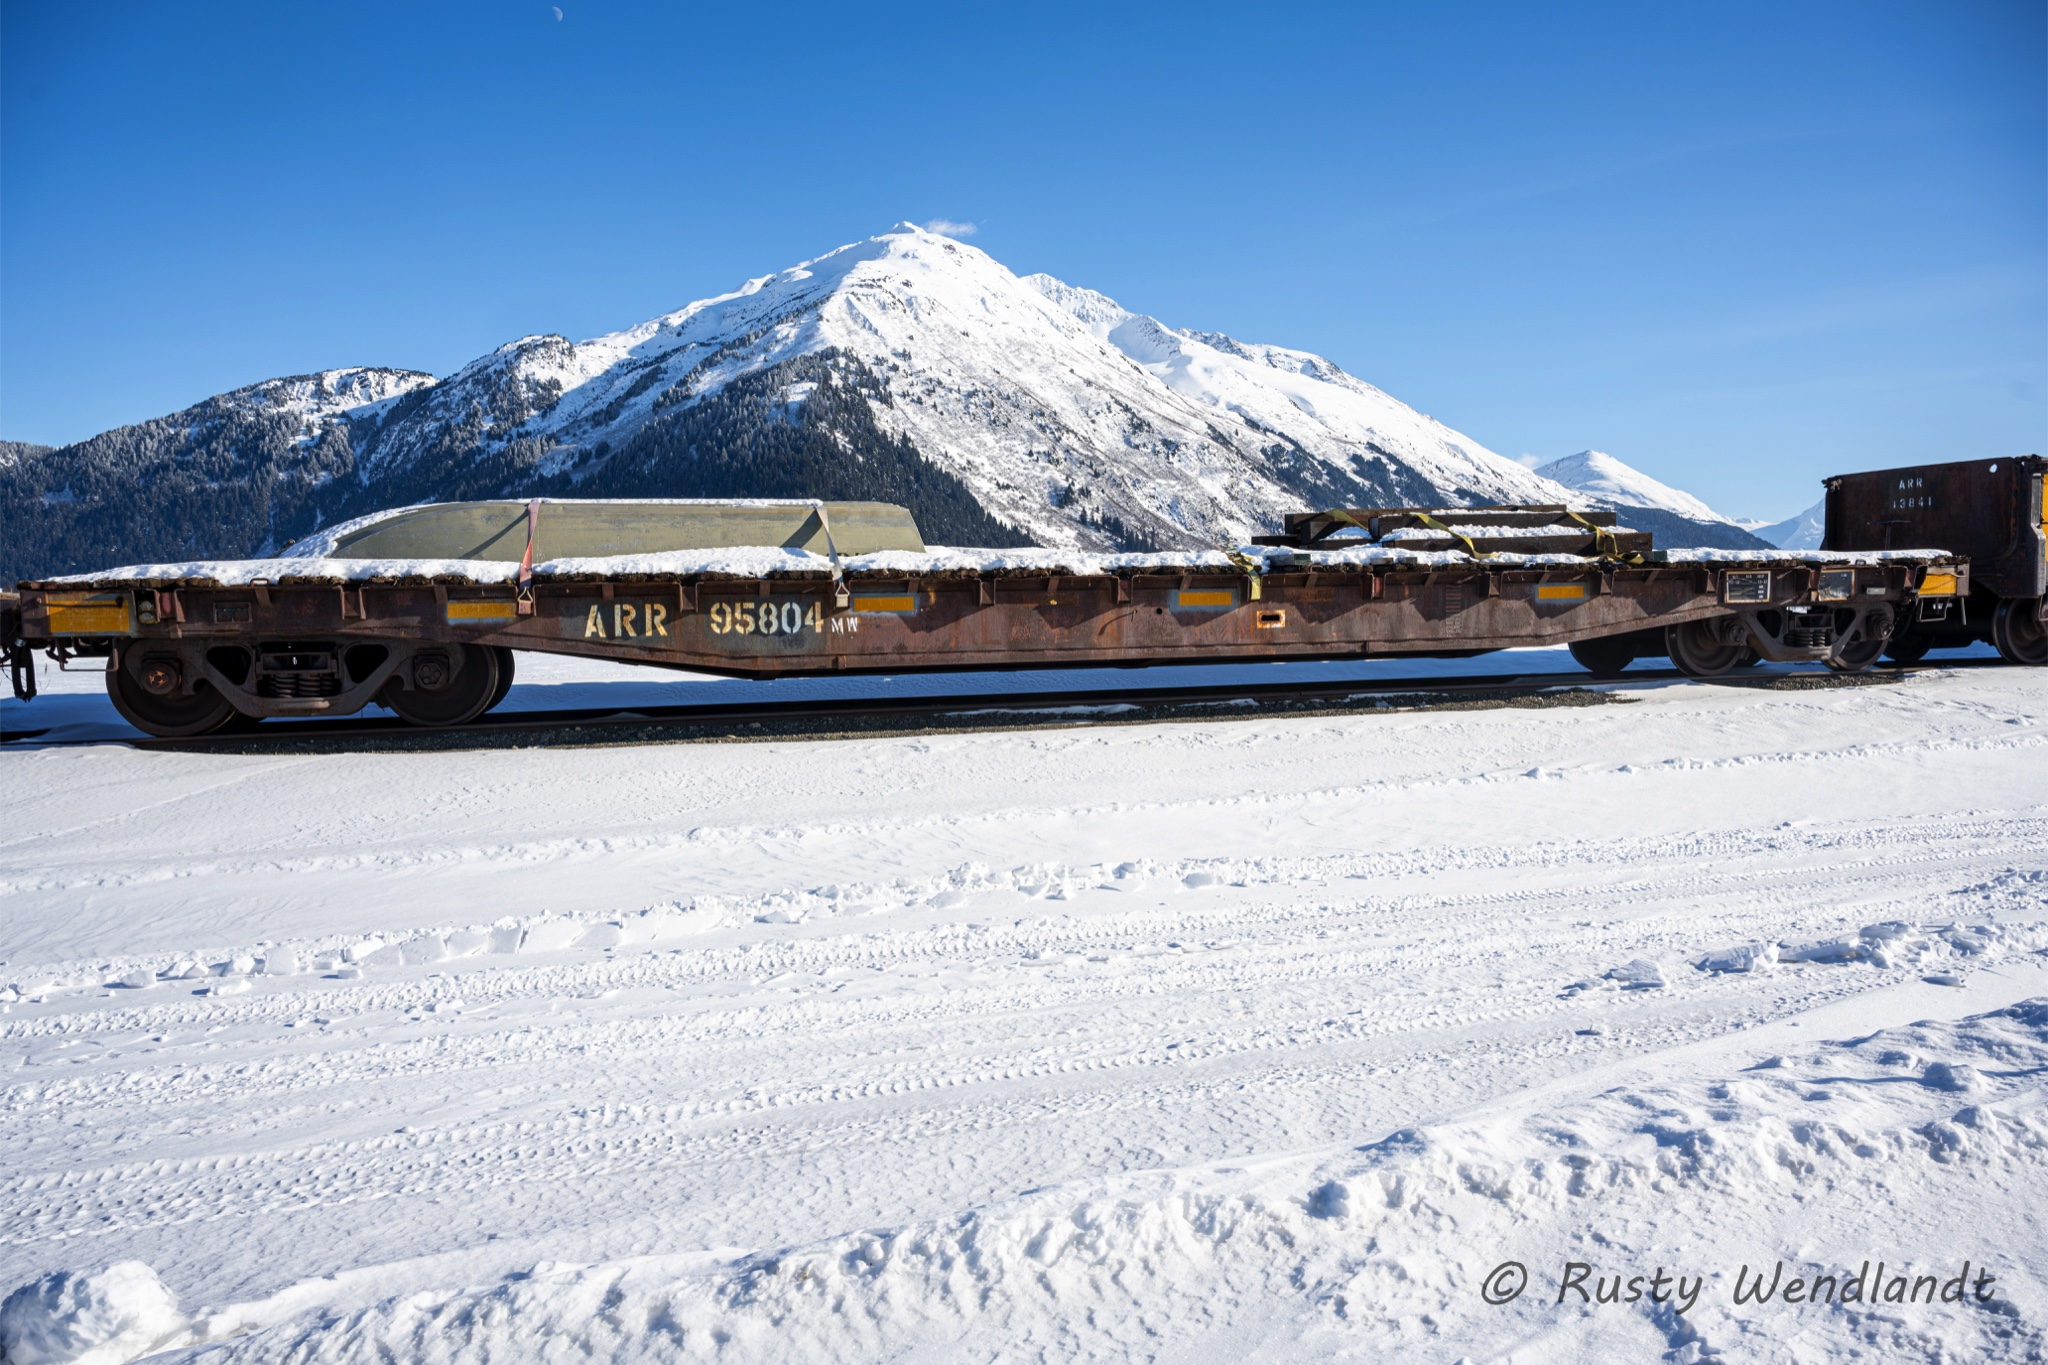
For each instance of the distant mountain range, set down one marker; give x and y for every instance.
(908, 367)
(1676, 519)
(1802, 532)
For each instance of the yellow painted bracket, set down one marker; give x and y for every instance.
(91, 613)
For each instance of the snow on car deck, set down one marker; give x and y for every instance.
(1271, 1035)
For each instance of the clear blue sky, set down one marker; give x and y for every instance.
(1739, 245)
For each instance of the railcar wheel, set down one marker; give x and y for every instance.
(1907, 648)
(1854, 658)
(451, 684)
(150, 695)
(1872, 632)
(1697, 650)
(505, 669)
(2016, 631)
(1606, 657)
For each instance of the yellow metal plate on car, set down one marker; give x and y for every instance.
(1938, 585)
(1205, 597)
(900, 604)
(482, 611)
(89, 613)
(1561, 592)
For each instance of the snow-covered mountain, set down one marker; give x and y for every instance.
(1620, 485)
(1801, 532)
(1676, 518)
(1054, 406)
(908, 366)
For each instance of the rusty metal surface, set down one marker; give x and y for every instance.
(773, 627)
(1994, 512)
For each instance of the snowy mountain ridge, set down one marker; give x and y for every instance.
(1046, 400)
(1676, 518)
(1802, 531)
(907, 367)
(1621, 485)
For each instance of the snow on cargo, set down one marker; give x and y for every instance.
(764, 561)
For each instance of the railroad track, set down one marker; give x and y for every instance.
(819, 717)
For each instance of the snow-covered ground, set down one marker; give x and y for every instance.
(1263, 1039)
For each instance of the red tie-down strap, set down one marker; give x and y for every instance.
(526, 561)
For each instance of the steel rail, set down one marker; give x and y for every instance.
(1030, 709)
(1014, 710)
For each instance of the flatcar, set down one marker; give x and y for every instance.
(421, 610)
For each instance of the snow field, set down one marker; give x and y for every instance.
(1263, 1036)
(1177, 1257)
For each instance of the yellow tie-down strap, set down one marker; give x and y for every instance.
(1253, 569)
(90, 613)
(1604, 543)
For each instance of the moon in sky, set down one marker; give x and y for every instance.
(558, 12)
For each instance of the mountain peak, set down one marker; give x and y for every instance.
(1621, 485)
(1676, 518)
(908, 365)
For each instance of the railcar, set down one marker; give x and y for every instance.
(421, 611)
(1994, 512)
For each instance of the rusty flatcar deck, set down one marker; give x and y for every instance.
(774, 626)
(195, 647)
(326, 640)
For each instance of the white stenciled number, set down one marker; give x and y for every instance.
(768, 618)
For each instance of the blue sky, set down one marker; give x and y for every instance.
(1740, 246)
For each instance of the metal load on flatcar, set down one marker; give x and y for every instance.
(339, 623)
(1993, 512)
(600, 529)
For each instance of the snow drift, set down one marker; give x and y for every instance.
(1380, 1251)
